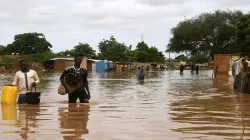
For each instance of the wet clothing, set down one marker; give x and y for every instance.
(80, 93)
(19, 80)
(248, 82)
(23, 86)
(236, 83)
(192, 68)
(236, 76)
(241, 77)
(197, 69)
(181, 69)
(238, 67)
(234, 67)
(244, 81)
(83, 92)
(22, 99)
(141, 76)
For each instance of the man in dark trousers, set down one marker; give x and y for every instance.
(181, 69)
(197, 69)
(81, 73)
(25, 79)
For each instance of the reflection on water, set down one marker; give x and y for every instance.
(73, 121)
(27, 120)
(9, 112)
(166, 106)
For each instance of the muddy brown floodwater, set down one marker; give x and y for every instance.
(167, 106)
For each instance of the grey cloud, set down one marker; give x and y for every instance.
(233, 2)
(27, 12)
(162, 2)
(62, 18)
(127, 13)
(220, 3)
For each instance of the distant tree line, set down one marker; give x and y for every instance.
(219, 32)
(37, 48)
(200, 37)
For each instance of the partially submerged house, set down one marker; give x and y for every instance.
(92, 62)
(60, 64)
(104, 65)
(223, 62)
(122, 66)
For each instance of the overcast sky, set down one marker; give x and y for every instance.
(65, 23)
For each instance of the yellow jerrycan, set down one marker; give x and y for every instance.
(9, 112)
(9, 95)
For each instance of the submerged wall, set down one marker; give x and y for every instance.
(224, 62)
(61, 64)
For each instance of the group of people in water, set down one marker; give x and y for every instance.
(193, 68)
(26, 79)
(241, 75)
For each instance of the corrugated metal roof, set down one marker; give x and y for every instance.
(62, 59)
(71, 58)
(94, 60)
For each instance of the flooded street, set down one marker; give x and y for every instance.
(167, 106)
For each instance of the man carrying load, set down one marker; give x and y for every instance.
(80, 73)
(25, 79)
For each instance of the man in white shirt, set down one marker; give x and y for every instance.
(25, 79)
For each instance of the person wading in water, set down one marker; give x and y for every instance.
(181, 69)
(81, 73)
(197, 68)
(25, 79)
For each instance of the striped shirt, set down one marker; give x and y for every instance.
(80, 73)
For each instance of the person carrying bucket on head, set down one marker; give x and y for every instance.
(25, 79)
(82, 92)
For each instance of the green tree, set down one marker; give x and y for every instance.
(155, 55)
(206, 34)
(105, 44)
(243, 34)
(181, 57)
(199, 59)
(116, 52)
(142, 52)
(40, 57)
(146, 54)
(130, 55)
(29, 43)
(83, 49)
(2, 49)
(65, 53)
(100, 56)
(113, 50)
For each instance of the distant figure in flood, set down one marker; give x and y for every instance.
(248, 79)
(141, 77)
(234, 67)
(241, 76)
(197, 69)
(192, 68)
(244, 77)
(181, 69)
(147, 69)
